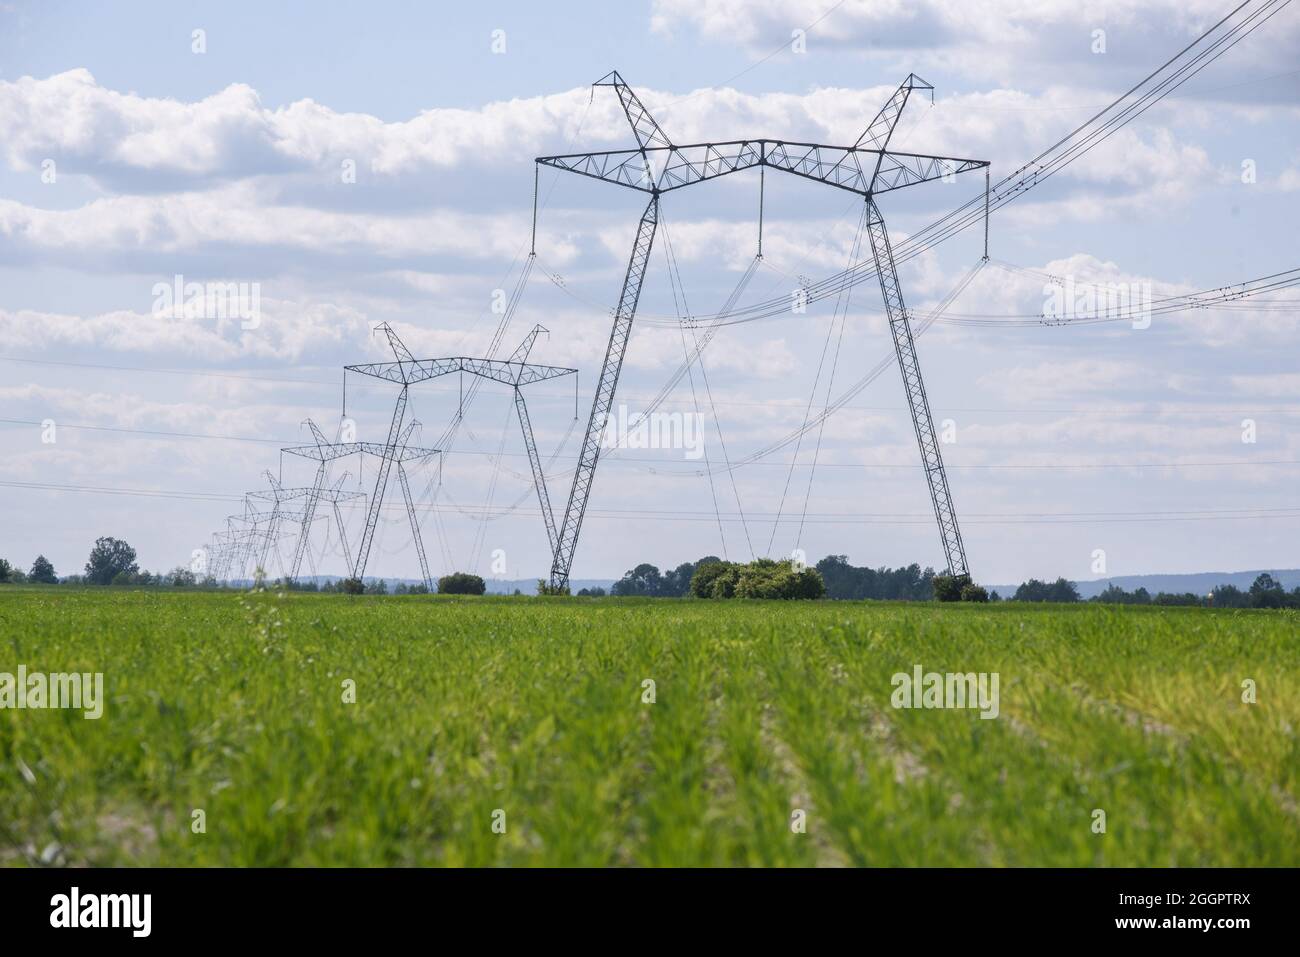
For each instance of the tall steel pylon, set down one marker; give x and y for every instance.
(407, 371)
(325, 452)
(657, 166)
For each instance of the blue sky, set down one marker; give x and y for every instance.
(225, 166)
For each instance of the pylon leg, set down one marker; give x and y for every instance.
(584, 475)
(308, 515)
(900, 327)
(415, 525)
(381, 483)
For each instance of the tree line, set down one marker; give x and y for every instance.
(843, 581)
(114, 562)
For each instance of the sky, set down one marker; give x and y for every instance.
(349, 165)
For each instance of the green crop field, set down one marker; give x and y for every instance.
(533, 715)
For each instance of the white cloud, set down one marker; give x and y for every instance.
(991, 39)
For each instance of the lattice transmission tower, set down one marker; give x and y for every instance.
(658, 166)
(407, 371)
(324, 452)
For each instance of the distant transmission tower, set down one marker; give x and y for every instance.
(284, 507)
(407, 371)
(324, 452)
(658, 166)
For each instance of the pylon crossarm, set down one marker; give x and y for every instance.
(512, 373)
(422, 370)
(339, 450)
(900, 328)
(848, 167)
(321, 453)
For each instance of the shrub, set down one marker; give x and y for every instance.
(351, 586)
(461, 583)
(545, 588)
(948, 587)
(764, 578)
(706, 573)
(761, 578)
(972, 592)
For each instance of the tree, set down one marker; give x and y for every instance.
(43, 572)
(642, 580)
(677, 582)
(972, 592)
(1229, 596)
(461, 583)
(351, 586)
(1266, 592)
(761, 578)
(111, 559)
(6, 571)
(949, 587)
(707, 573)
(1060, 590)
(594, 592)
(180, 576)
(845, 581)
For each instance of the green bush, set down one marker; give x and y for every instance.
(706, 573)
(973, 592)
(949, 587)
(761, 578)
(351, 586)
(461, 583)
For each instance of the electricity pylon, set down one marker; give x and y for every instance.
(657, 166)
(324, 452)
(407, 371)
(278, 495)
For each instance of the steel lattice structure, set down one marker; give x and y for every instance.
(407, 371)
(657, 166)
(325, 452)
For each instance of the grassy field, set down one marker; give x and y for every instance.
(233, 704)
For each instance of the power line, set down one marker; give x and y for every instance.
(645, 514)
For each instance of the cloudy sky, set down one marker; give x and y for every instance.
(356, 165)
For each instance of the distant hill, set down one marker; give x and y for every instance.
(1198, 583)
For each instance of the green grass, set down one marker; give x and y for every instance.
(232, 703)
